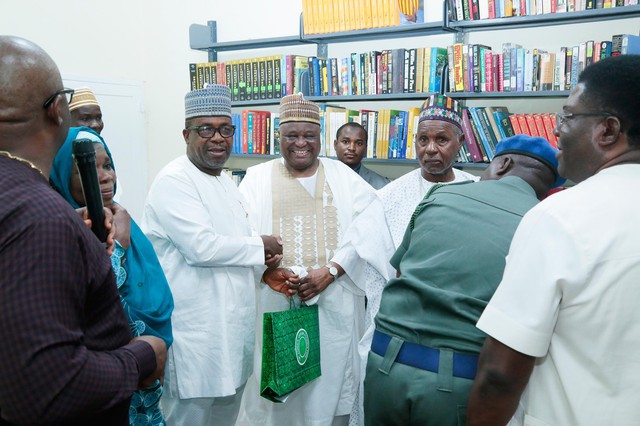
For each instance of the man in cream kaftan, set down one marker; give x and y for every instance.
(309, 211)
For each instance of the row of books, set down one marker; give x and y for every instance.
(484, 127)
(249, 79)
(477, 68)
(415, 70)
(391, 133)
(330, 16)
(465, 10)
(236, 174)
(257, 132)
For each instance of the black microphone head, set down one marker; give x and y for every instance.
(82, 147)
(84, 155)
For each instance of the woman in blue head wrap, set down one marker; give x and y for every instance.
(144, 291)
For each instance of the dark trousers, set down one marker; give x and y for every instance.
(411, 396)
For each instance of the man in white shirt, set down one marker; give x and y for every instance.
(565, 317)
(198, 224)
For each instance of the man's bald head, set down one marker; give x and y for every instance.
(28, 76)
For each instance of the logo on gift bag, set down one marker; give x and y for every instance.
(302, 346)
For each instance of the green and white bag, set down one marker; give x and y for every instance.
(290, 351)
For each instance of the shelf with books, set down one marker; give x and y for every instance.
(521, 102)
(548, 19)
(399, 31)
(495, 95)
(414, 162)
(204, 37)
(397, 161)
(392, 169)
(342, 98)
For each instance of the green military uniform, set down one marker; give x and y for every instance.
(451, 261)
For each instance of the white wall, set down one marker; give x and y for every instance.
(147, 41)
(142, 40)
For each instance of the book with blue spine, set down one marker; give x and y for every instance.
(483, 132)
(439, 58)
(250, 133)
(504, 124)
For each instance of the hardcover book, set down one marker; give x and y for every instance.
(277, 76)
(630, 45)
(495, 123)
(193, 76)
(301, 75)
(242, 81)
(515, 125)
(438, 60)
(398, 71)
(568, 64)
(548, 128)
(483, 131)
(270, 89)
(335, 77)
(411, 70)
(504, 124)
(470, 139)
(457, 67)
(248, 76)
(531, 125)
(275, 134)
(262, 78)
(235, 88)
(547, 68)
(355, 67)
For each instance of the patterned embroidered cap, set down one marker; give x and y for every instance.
(213, 100)
(82, 96)
(441, 107)
(534, 147)
(297, 108)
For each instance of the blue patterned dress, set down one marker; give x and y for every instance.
(143, 288)
(145, 404)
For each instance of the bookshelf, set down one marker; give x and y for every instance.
(546, 20)
(204, 38)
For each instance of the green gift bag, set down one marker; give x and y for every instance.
(290, 351)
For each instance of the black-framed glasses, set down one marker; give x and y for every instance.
(206, 132)
(563, 117)
(67, 92)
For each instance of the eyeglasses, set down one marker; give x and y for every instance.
(67, 92)
(206, 132)
(563, 117)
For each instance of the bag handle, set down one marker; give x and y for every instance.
(292, 304)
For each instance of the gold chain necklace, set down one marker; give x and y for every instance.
(22, 160)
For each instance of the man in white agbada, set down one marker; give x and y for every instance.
(197, 222)
(377, 234)
(310, 202)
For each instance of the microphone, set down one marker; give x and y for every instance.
(84, 156)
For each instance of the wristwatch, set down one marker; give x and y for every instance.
(332, 270)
